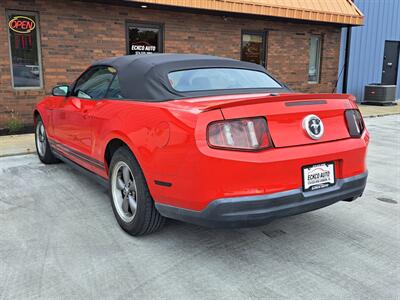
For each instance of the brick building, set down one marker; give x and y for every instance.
(47, 42)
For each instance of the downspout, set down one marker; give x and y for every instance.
(346, 60)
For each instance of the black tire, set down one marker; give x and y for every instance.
(45, 155)
(146, 219)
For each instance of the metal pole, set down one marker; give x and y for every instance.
(346, 60)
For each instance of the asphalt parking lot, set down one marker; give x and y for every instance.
(59, 239)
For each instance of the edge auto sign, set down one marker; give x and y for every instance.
(142, 48)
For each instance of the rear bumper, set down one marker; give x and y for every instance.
(260, 209)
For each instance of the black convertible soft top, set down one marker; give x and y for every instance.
(145, 77)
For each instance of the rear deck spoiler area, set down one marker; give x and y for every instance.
(290, 99)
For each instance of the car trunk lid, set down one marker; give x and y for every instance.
(285, 115)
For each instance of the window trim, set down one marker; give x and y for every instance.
(319, 60)
(264, 34)
(155, 25)
(8, 12)
(109, 86)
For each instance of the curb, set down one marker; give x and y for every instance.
(381, 115)
(16, 154)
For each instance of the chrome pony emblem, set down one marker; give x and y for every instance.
(313, 126)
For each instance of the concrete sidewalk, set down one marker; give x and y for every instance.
(17, 144)
(378, 111)
(25, 143)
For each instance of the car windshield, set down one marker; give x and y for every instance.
(206, 79)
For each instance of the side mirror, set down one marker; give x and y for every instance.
(60, 90)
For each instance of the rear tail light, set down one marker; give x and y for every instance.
(249, 134)
(355, 122)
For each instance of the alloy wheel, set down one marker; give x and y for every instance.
(124, 191)
(41, 139)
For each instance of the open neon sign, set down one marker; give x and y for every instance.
(22, 24)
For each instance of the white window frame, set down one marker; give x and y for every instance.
(318, 59)
(39, 50)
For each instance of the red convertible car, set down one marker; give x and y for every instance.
(203, 139)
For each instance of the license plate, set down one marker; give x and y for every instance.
(318, 176)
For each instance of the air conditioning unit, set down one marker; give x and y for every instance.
(379, 94)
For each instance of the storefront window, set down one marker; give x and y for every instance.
(253, 47)
(144, 38)
(314, 59)
(24, 50)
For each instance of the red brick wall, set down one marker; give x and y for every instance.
(74, 34)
